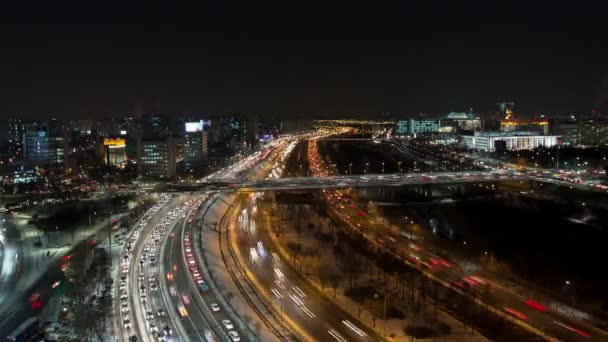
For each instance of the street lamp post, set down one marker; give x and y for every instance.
(399, 166)
(366, 167)
(350, 169)
(382, 167)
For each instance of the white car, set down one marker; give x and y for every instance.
(153, 327)
(234, 336)
(215, 307)
(228, 324)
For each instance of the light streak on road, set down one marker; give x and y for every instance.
(354, 328)
(336, 336)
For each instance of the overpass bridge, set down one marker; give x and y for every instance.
(354, 181)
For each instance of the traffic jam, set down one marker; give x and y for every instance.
(143, 264)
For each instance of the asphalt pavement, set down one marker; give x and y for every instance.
(318, 316)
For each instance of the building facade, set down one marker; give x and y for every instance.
(592, 133)
(157, 158)
(16, 131)
(487, 141)
(195, 147)
(43, 143)
(416, 126)
(115, 150)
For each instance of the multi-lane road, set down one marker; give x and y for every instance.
(311, 312)
(376, 180)
(549, 319)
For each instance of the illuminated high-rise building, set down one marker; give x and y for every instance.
(195, 147)
(157, 158)
(16, 131)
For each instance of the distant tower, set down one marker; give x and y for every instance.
(506, 108)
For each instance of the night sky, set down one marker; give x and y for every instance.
(304, 59)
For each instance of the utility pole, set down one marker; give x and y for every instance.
(384, 325)
(110, 241)
(557, 159)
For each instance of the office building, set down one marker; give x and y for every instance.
(567, 131)
(195, 147)
(115, 151)
(238, 132)
(36, 142)
(541, 126)
(157, 158)
(486, 141)
(15, 133)
(417, 126)
(592, 133)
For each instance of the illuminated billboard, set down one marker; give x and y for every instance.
(266, 137)
(194, 126)
(114, 142)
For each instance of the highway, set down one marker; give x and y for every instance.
(176, 279)
(206, 316)
(313, 313)
(378, 180)
(524, 311)
(142, 310)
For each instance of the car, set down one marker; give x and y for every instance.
(149, 315)
(215, 307)
(160, 313)
(234, 336)
(152, 326)
(182, 311)
(228, 324)
(167, 330)
(173, 291)
(124, 307)
(126, 323)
